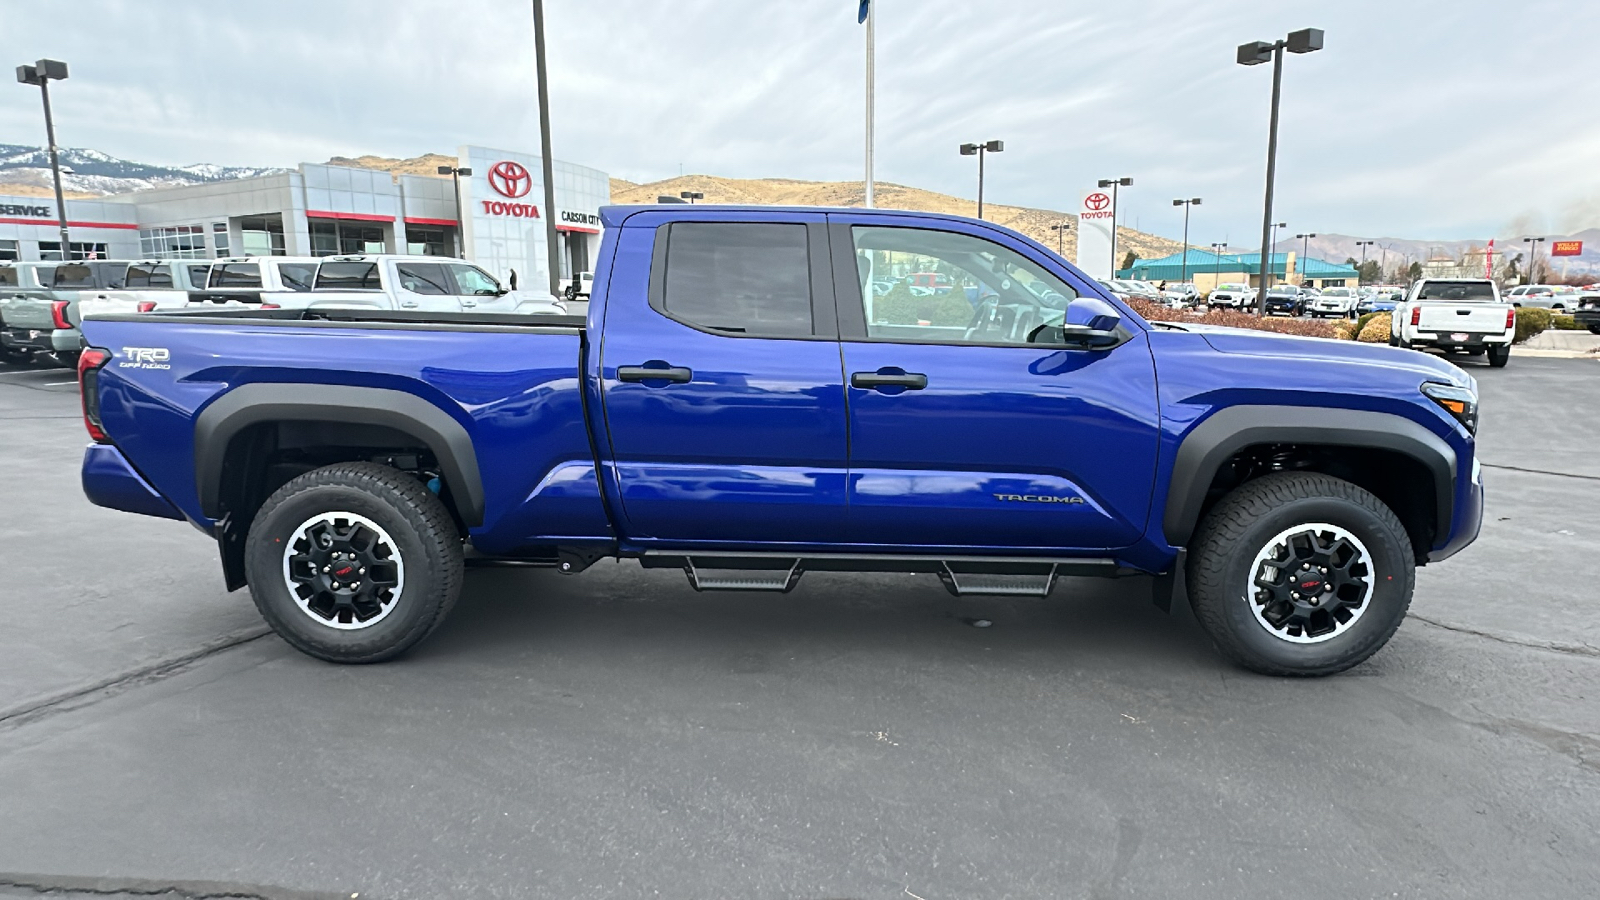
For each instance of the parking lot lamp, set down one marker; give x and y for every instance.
(42, 73)
(455, 173)
(979, 150)
(1527, 277)
(1305, 247)
(1061, 230)
(692, 196)
(552, 245)
(1266, 265)
(1363, 245)
(1306, 40)
(1183, 268)
(1114, 183)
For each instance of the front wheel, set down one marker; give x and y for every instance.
(1594, 329)
(353, 563)
(1300, 573)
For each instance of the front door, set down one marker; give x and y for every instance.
(723, 393)
(968, 428)
(478, 291)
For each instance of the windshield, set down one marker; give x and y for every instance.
(1456, 290)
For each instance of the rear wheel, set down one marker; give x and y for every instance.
(1300, 574)
(1594, 329)
(1499, 355)
(353, 563)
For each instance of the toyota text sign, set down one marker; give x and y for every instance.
(1097, 214)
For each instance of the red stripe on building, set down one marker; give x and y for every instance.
(419, 220)
(359, 217)
(70, 224)
(577, 228)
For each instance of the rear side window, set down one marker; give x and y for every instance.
(745, 278)
(1456, 290)
(348, 276)
(8, 277)
(149, 276)
(198, 275)
(236, 275)
(297, 276)
(72, 276)
(422, 278)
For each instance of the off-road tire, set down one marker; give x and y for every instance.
(1244, 521)
(1499, 355)
(423, 533)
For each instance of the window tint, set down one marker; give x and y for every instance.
(348, 276)
(1456, 290)
(236, 275)
(422, 278)
(947, 288)
(198, 275)
(297, 276)
(744, 278)
(149, 276)
(473, 280)
(71, 276)
(8, 277)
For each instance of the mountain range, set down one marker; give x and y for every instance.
(96, 174)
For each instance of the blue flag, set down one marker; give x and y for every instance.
(861, 15)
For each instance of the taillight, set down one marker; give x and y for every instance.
(147, 306)
(270, 306)
(89, 363)
(58, 312)
(1511, 318)
(1416, 315)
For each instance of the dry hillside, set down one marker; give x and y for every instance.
(24, 189)
(1035, 223)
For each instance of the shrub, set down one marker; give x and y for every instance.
(1376, 331)
(1565, 323)
(1530, 321)
(1361, 323)
(1345, 330)
(900, 307)
(1233, 318)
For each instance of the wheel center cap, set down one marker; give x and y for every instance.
(1310, 584)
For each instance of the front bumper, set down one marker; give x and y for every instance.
(1468, 517)
(110, 481)
(45, 340)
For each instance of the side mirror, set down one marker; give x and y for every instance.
(1092, 322)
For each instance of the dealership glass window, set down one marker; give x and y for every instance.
(297, 276)
(324, 237)
(145, 275)
(219, 237)
(360, 238)
(9, 250)
(236, 275)
(262, 235)
(51, 250)
(742, 278)
(174, 242)
(940, 287)
(348, 276)
(426, 241)
(422, 278)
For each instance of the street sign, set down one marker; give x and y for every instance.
(1566, 248)
(1096, 215)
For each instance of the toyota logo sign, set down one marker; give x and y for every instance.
(1093, 201)
(510, 179)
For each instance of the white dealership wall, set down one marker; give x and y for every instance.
(26, 221)
(505, 229)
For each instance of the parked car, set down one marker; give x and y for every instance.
(1143, 290)
(1285, 299)
(45, 322)
(1231, 296)
(1115, 289)
(345, 465)
(374, 281)
(19, 280)
(1334, 301)
(1380, 301)
(1558, 297)
(242, 280)
(1588, 312)
(1180, 295)
(1456, 314)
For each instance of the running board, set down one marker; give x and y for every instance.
(742, 579)
(998, 584)
(961, 575)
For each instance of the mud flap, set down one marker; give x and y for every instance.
(1172, 583)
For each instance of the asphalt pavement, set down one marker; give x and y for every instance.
(615, 734)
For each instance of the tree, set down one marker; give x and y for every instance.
(1128, 261)
(1413, 273)
(1369, 272)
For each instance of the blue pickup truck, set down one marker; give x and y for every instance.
(758, 392)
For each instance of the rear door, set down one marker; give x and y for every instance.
(969, 428)
(722, 389)
(423, 285)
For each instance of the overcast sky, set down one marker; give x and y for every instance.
(1422, 118)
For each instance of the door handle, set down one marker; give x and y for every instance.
(408, 304)
(635, 374)
(910, 381)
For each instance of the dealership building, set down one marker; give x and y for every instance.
(319, 210)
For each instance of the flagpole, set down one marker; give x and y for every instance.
(870, 86)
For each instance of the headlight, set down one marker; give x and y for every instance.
(1459, 402)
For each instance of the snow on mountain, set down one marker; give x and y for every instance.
(96, 172)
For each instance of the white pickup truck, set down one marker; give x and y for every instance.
(367, 281)
(53, 298)
(1463, 315)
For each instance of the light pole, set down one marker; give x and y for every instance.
(1532, 242)
(865, 17)
(1363, 245)
(552, 249)
(692, 196)
(455, 174)
(1061, 231)
(1114, 183)
(1305, 247)
(1254, 53)
(980, 149)
(1183, 270)
(1272, 250)
(42, 73)
(1218, 248)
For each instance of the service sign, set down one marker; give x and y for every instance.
(37, 212)
(1097, 215)
(1566, 248)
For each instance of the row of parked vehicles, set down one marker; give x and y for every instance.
(42, 304)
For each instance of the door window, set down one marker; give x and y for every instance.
(198, 275)
(422, 278)
(472, 280)
(348, 276)
(236, 275)
(742, 278)
(940, 287)
(297, 276)
(149, 276)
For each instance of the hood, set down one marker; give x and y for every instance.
(1275, 346)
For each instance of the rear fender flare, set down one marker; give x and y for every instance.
(1219, 437)
(252, 404)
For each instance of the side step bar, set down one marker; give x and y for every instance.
(961, 575)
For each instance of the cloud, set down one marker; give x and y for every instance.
(1432, 119)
